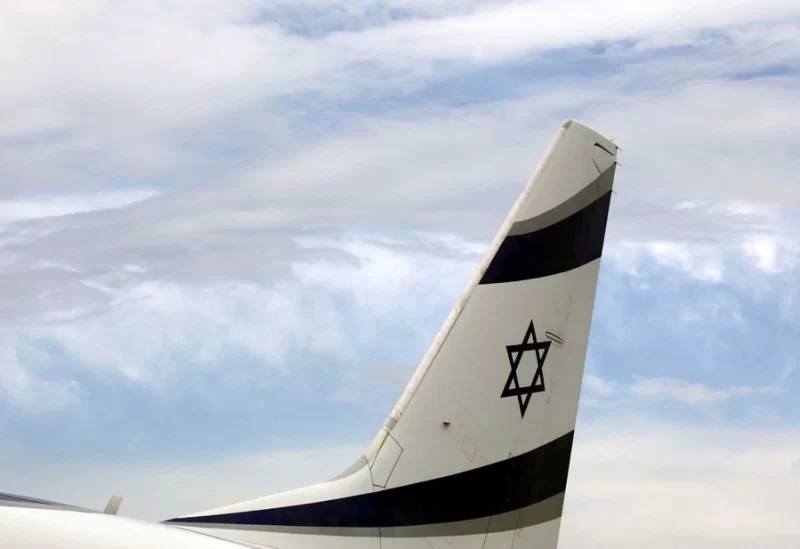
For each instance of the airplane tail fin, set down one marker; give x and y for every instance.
(476, 452)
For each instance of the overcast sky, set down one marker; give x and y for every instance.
(230, 229)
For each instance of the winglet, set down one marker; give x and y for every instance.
(113, 505)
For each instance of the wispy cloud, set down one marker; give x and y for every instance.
(693, 393)
(230, 84)
(603, 392)
(700, 238)
(662, 485)
(598, 386)
(60, 205)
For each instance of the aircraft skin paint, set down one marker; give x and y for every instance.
(476, 452)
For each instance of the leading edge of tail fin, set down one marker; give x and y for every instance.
(477, 448)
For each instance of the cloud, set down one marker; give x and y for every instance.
(772, 254)
(692, 393)
(597, 385)
(213, 88)
(36, 395)
(678, 255)
(497, 33)
(663, 485)
(321, 337)
(699, 238)
(614, 395)
(57, 206)
(339, 330)
(666, 343)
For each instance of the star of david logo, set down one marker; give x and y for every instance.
(515, 352)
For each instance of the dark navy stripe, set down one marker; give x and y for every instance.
(565, 245)
(490, 490)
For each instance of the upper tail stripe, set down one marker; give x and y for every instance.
(565, 245)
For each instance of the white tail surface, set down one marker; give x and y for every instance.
(475, 454)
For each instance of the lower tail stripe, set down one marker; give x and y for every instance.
(493, 489)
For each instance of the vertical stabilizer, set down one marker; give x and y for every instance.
(476, 452)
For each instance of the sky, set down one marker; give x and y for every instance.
(230, 230)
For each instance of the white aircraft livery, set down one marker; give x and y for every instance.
(476, 452)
